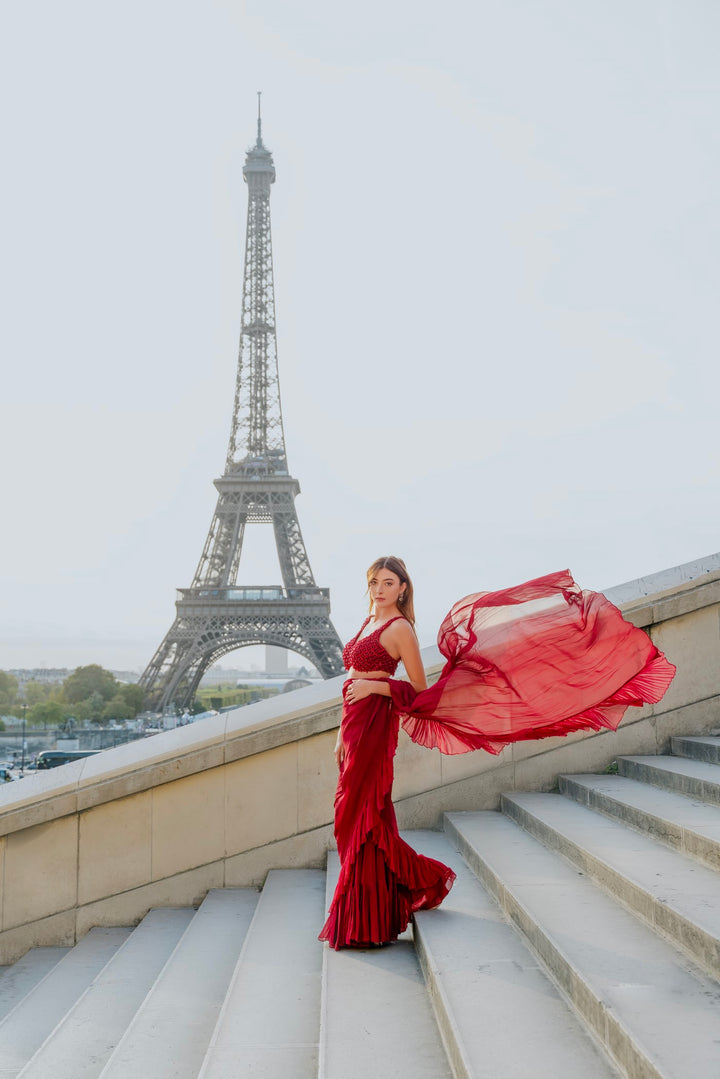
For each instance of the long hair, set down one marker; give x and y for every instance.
(396, 566)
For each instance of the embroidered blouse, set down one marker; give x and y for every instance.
(367, 653)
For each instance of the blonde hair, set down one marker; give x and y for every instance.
(396, 566)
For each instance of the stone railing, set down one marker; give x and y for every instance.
(160, 821)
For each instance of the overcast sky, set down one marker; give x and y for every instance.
(496, 238)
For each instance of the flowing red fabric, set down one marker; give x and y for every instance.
(543, 658)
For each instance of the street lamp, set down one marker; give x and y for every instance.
(22, 748)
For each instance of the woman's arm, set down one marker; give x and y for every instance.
(409, 650)
(339, 750)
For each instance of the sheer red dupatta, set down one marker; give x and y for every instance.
(539, 659)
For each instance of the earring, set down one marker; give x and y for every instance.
(401, 599)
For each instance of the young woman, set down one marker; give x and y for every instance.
(543, 658)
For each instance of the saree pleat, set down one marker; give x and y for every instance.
(382, 879)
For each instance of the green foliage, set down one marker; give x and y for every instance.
(8, 691)
(118, 708)
(89, 682)
(134, 697)
(35, 692)
(47, 713)
(96, 695)
(96, 706)
(88, 694)
(81, 711)
(226, 695)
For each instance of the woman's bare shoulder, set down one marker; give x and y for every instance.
(401, 630)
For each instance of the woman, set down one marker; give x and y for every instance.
(382, 880)
(543, 658)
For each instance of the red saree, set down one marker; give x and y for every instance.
(382, 880)
(543, 658)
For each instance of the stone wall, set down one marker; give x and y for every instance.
(160, 821)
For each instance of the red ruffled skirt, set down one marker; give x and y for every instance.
(540, 659)
(382, 879)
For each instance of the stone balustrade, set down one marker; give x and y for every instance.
(161, 821)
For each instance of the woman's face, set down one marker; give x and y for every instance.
(384, 588)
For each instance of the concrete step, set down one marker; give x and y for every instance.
(17, 980)
(499, 1012)
(655, 1012)
(270, 1020)
(705, 748)
(697, 779)
(672, 892)
(171, 1030)
(376, 1020)
(688, 825)
(81, 1044)
(25, 1028)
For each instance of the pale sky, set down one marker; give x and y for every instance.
(496, 240)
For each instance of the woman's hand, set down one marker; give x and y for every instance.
(359, 688)
(339, 752)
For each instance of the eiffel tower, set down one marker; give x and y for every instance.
(216, 615)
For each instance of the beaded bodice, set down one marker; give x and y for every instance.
(367, 654)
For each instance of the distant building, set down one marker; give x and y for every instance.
(55, 676)
(47, 675)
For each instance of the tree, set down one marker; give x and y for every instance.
(35, 692)
(117, 708)
(8, 691)
(134, 697)
(87, 681)
(96, 706)
(81, 711)
(49, 713)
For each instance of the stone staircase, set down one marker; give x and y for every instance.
(581, 941)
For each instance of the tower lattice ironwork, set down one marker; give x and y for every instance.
(216, 615)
